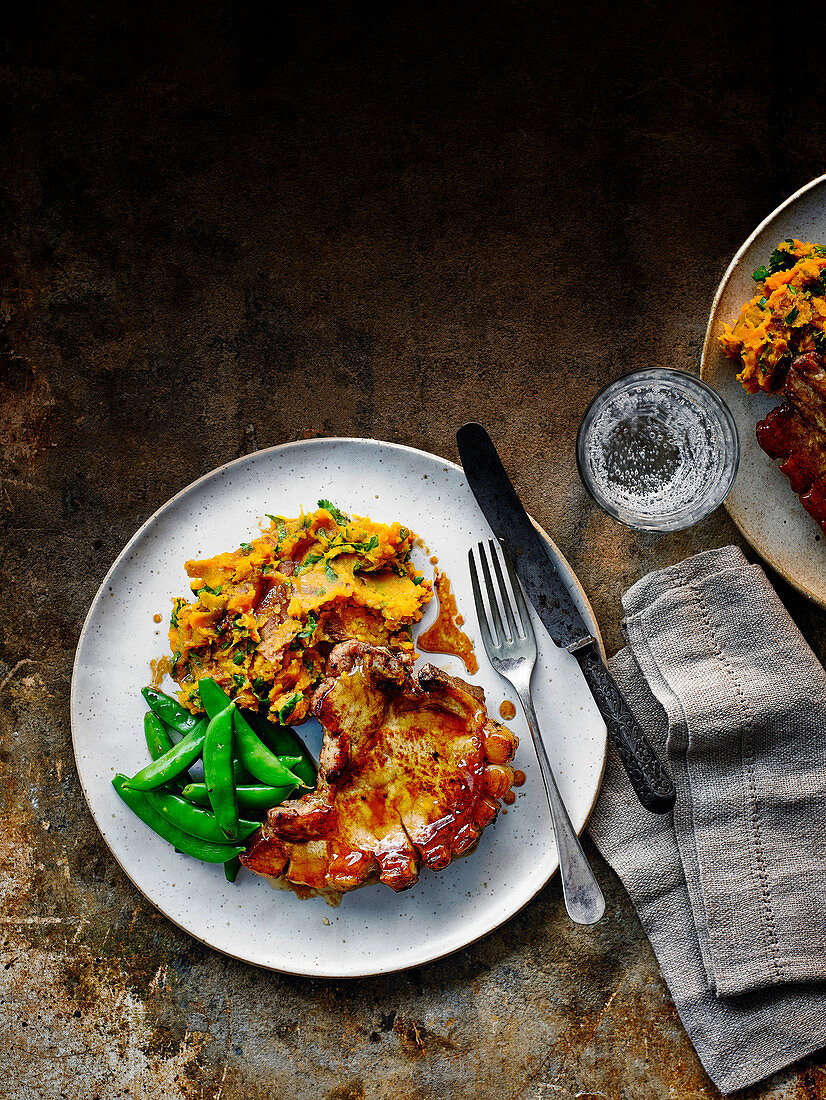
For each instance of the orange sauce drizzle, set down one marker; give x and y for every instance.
(519, 778)
(445, 636)
(160, 669)
(507, 710)
(509, 798)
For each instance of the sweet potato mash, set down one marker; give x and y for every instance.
(265, 616)
(785, 318)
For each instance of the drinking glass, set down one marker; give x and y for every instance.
(658, 449)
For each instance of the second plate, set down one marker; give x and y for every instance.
(761, 502)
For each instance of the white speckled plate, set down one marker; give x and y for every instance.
(761, 502)
(373, 930)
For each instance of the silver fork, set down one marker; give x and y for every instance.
(512, 652)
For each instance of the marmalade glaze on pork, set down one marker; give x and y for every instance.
(796, 432)
(411, 771)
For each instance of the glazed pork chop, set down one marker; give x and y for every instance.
(796, 432)
(411, 771)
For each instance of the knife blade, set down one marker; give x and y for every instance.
(551, 598)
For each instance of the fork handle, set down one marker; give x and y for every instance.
(583, 897)
(651, 782)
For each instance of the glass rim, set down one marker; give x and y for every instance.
(689, 514)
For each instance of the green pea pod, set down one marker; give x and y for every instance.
(183, 815)
(201, 849)
(169, 710)
(213, 696)
(260, 762)
(252, 752)
(282, 740)
(240, 773)
(172, 763)
(198, 795)
(158, 740)
(218, 771)
(252, 797)
(231, 868)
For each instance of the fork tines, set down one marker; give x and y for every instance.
(501, 597)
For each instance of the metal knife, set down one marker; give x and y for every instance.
(554, 604)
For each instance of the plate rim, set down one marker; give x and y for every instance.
(99, 595)
(739, 519)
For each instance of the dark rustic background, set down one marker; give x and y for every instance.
(231, 224)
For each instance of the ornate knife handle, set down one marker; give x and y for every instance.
(650, 780)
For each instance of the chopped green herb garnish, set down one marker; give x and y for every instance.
(287, 709)
(268, 568)
(781, 259)
(366, 547)
(760, 274)
(337, 515)
(309, 629)
(331, 573)
(792, 316)
(238, 658)
(280, 525)
(239, 680)
(246, 547)
(418, 580)
(310, 560)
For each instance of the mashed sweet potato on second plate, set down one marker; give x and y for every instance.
(265, 616)
(785, 318)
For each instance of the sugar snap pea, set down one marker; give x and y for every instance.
(197, 822)
(281, 740)
(259, 761)
(252, 752)
(231, 868)
(218, 770)
(173, 762)
(213, 696)
(252, 797)
(201, 849)
(239, 772)
(158, 740)
(169, 710)
(242, 776)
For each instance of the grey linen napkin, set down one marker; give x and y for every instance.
(731, 887)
